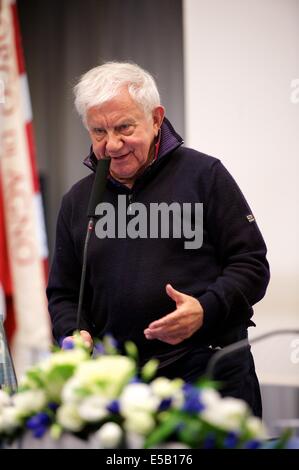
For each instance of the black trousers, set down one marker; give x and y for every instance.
(236, 372)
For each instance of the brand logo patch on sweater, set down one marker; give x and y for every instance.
(250, 218)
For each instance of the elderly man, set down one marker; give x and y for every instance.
(177, 303)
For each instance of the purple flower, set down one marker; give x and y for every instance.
(165, 404)
(231, 440)
(38, 424)
(111, 342)
(209, 441)
(67, 344)
(192, 402)
(253, 444)
(53, 406)
(135, 380)
(113, 407)
(99, 349)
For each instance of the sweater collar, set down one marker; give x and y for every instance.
(168, 142)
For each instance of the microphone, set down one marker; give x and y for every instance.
(99, 186)
(97, 191)
(244, 343)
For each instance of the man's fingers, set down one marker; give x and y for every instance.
(174, 328)
(166, 338)
(68, 342)
(174, 294)
(167, 321)
(86, 338)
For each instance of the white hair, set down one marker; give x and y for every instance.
(104, 82)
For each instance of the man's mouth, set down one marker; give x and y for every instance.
(120, 157)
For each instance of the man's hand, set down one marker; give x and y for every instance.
(179, 324)
(84, 335)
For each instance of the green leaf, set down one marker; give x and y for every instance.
(109, 346)
(149, 370)
(162, 431)
(131, 350)
(283, 439)
(205, 382)
(61, 371)
(55, 431)
(36, 375)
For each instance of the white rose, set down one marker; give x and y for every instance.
(256, 428)
(139, 422)
(69, 357)
(165, 388)
(4, 399)
(93, 408)
(137, 397)
(9, 420)
(29, 401)
(109, 436)
(134, 440)
(226, 414)
(69, 393)
(68, 417)
(209, 397)
(107, 374)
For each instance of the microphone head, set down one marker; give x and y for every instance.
(99, 185)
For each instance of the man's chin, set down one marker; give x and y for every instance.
(123, 177)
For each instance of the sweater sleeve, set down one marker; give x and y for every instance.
(240, 249)
(64, 279)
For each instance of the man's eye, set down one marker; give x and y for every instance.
(125, 128)
(99, 131)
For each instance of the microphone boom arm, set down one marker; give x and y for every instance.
(244, 343)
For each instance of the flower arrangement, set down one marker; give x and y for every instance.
(103, 397)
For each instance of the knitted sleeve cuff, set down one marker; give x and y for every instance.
(213, 313)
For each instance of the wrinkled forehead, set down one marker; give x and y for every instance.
(120, 106)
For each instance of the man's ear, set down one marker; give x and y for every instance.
(158, 116)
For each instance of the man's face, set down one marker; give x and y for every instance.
(120, 129)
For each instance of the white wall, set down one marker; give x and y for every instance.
(241, 57)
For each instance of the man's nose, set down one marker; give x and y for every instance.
(113, 143)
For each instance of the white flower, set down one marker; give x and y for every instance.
(29, 401)
(134, 440)
(109, 435)
(209, 397)
(165, 388)
(106, 374)
(69, 393)
(5, 399)
(256, 428)
(72, 357)
(137, 404)
(227, 414)
(139, 422)
(9, 419)
(68, 417)
(137, 397)
(52, 372)
(93, 408)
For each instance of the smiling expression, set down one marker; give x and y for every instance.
(121, 130)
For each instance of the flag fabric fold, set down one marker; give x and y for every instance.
(23, 248)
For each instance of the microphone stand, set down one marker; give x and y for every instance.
(98, 188)
(83, 272)
(244, 343)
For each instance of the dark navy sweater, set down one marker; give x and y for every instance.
(126, 278)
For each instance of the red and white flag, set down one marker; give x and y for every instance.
(23, 246)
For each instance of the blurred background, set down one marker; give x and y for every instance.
(226, 72)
